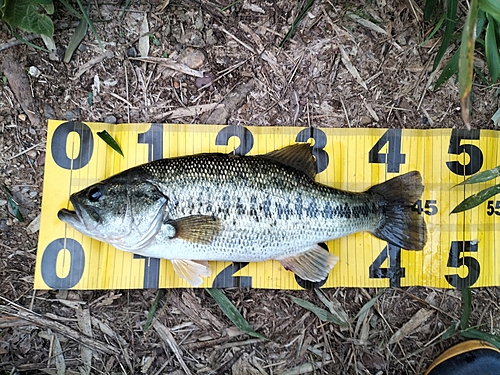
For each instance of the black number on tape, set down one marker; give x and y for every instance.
(320, 139)
(394, 272)
(243, 134)
(154, 139)
(58, 145)
(225, 278)
(456, 148)
(393, 158)
(456, 259)
(430, 207)
(493, 208)
(151, 271)
(49, 262)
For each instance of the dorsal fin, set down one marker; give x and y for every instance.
(298, 156)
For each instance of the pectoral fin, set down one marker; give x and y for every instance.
(313, 265)
(198, 228)
(191, 270)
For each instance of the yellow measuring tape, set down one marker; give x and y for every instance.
(462, 249)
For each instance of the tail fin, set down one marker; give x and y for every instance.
(401, 225)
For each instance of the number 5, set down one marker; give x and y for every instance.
(456, 260)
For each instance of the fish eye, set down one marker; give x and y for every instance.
(94, 194)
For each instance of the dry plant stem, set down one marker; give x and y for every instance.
(89, 64)
(166, 335)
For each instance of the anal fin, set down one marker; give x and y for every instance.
(191, 270)
(314, 264)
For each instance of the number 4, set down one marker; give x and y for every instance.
(394, 158)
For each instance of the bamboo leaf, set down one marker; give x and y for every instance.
(466, 61)
(473, 333)
(13, 205)
(451, 15)
(369, 304)
(106, 137)
(449, 70)
(232, 313)
(491, 49)
(484, 176)
(76, 39)
(466, 308)
(430, 7)
(152, 310)
(89, 22)
(334, 306)
(491, 7)
(323, 314)
(296, 22)
(449, 332)
(476, 199)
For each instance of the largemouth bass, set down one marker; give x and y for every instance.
(203, 207)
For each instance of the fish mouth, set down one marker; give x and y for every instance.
(68, 216)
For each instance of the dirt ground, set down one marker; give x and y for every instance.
(311, 81)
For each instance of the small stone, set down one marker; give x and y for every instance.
(193, 57)
(110, 119)
(70, 115)
(177, 85)
(365, 120)
(132, 52)
(49, 112)
(32, 154)
(210, 37)
(22, 117)
(3, 202)
(34, 71)
(41, 159)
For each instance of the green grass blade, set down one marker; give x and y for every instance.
(477, 199)
(466, 308)
(324, 315)
(433, 32)
(106, 137)
(484, 176)
(91, 25)
(491, 49)
(492, 7)
(71, 9)
(232, 313)
(13, 205)
(466, 61)
(76, 39)
(449, 70)
(152, 310)
(473, 333)
(334, 306)
(451, 16)
(449, 332)
(296, 22)
(430, 6)
(369, 304)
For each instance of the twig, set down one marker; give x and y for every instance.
(15, 42)
(89, 64)
(166, 335)
(25, 151)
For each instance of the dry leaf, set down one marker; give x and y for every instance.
(411, 326)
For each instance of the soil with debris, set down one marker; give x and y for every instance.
(336, 71)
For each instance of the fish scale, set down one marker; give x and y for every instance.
(242, 208)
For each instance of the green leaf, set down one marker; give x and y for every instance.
(334, 306)
(152, 310)
(449, 70)
(369, 304)
(24, 15)
(232, 313)
(76, 39)
(323, 314)
(13, 205)
(433, 32)
(296, 22)
(451, 15)
(85, 15)
(484, 176)
(491, 49)
(430, 7)
(466, 308)
(106, 137)
(466, 61)
(477, 199)
(449, 332)
(473, 333)
(492, 7)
